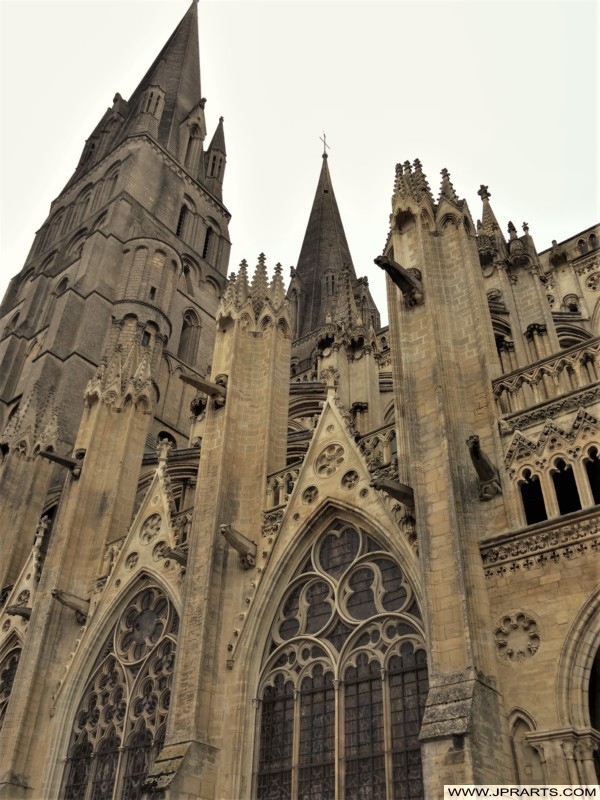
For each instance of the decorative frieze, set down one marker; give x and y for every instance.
(529, 550)
(573, 370)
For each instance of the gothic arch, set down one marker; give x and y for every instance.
(348, 615)
(10, 653)
(86, 663)
(529, 765)
(286, 559)
(581, 645)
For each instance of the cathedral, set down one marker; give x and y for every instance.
(256, 546)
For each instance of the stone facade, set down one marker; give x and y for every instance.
(255, 545)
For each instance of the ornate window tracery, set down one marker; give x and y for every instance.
(344, 683)
(120, 723)
(8, 670)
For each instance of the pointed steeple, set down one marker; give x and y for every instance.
(176, 72)
(323, 254)
(491, 244)
(215, 159)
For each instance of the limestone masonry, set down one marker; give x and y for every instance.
(256, 546)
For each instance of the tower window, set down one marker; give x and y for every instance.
(565, 487)
(152, 292)
(188, 341)
(533, 499)
(207, 241)
(181, 221)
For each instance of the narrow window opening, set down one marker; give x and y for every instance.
(152, 292)
(592, 467)
(207, 241)
(533, 499)
(181, 221)
(146, 339)
(565, 487)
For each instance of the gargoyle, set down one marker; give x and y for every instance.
(489, 479)
(399, 491)
(80, 606)
(217, 391)
(406, 280)
(244, 546)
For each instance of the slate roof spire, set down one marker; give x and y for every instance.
(323, 256)
(176, 70)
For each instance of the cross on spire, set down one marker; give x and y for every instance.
(326, 147)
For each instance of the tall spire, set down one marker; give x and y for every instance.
(176, 71)
(323, 255)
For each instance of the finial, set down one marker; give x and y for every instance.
(512, 230)
(526, 227)
(221, 119)
(326, 147)
(483, 192)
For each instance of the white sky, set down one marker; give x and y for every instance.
(500, 92)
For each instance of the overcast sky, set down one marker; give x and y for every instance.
(500, 93)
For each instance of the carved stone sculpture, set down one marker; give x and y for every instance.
(408, 281)
(244, 546)
(489, 479)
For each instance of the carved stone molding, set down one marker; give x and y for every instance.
(517, 637)
(527, 550)
(329, 460)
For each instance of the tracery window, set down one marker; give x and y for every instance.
(344, 682)
(120, 723)
(8, 670)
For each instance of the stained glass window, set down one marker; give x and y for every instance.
(120, 722)
(344, 683)
(8, 670)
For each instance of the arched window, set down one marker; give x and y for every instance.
(594, 241)
(533, 499)
(565, 487)
(592, 467)
(193, 147)
(344, 684)
(582, 246)
(8, 670)
(188, 340)
(207, 242)
(119, 726)
(181, 221)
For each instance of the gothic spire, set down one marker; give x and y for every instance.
(323, 254)
(175, 71)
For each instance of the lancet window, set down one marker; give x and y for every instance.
(344, 683)
(119, 726)
(8, 670)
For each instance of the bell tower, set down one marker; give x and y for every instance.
(117, 265)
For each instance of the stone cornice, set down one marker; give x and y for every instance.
(545, 543)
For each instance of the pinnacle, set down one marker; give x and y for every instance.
(259, 289)
(411, 181)
(447, 189)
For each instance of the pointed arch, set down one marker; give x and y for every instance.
(10, 655)
(528, 763)
(575, 665)
(347, 617)
(124, 703)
